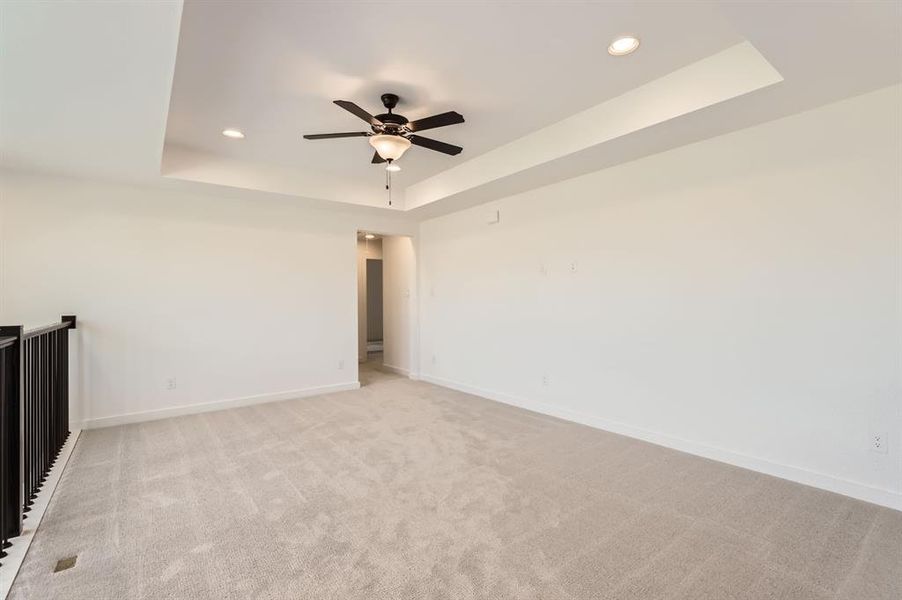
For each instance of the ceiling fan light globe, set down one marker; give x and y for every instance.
(389, 147)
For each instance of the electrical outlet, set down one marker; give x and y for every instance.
(434, 359)
(341, 365)
(171, 383)
(573, 267)
(546, 380)
(879, 443)
(543, 270)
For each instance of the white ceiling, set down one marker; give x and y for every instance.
(94, 88)
(84, 86)
(273, 69)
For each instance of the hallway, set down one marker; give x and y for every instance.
(372, 370)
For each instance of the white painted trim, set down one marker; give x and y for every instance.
(190, 409)
(823, 481)
(15, 554)
(394, 369)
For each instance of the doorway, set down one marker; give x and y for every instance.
(386, 307)
(370, 307)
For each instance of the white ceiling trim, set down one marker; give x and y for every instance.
(188, 164)
(728, 74)
(734, 72)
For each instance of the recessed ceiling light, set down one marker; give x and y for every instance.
(233, 133)
(623, 45)
(393, 168)
(370, 236)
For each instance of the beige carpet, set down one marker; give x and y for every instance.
(406, 490)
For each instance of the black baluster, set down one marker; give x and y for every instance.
(73, 323)
(13, 490)
(4, 484)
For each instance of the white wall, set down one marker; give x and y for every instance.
(400, 301)
(365, 249)
(738, 298)
(237, 300)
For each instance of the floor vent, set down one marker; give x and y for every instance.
(66, 563)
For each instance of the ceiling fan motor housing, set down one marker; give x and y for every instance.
(391, 121)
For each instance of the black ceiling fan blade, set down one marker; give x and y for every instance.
(446, 118)
(377, 159)
(356, 110)
(436, 145)
(329, 136)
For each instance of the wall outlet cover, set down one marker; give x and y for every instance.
(879, 442)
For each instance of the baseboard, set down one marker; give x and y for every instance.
(853, 489)
(190, 409)
(15, 554)
(396, 370)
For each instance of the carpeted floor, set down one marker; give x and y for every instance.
(407, 490)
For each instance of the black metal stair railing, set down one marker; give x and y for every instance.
(10, 502)
(34, 415)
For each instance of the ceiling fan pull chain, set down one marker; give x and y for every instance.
(388, 185)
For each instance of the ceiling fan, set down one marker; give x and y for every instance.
(393, 134)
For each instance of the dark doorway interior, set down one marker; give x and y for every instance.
(373, 305)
